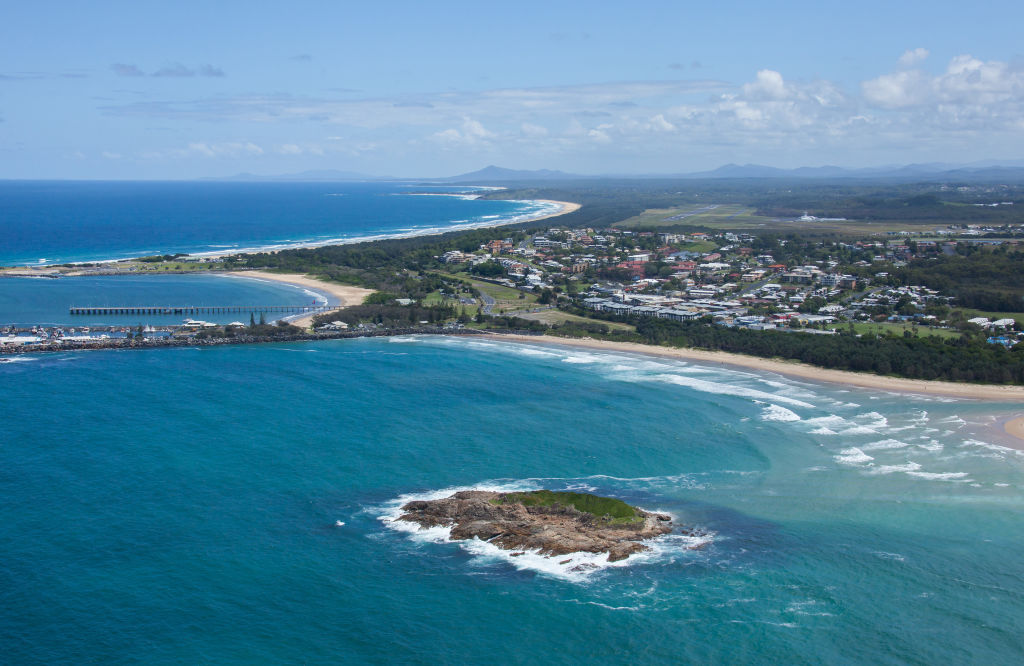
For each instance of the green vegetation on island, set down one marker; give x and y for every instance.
(607, 509)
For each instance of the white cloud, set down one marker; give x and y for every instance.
(769, 115)
(897, 90)
(970, 94)
(532, 131)
(913, 57)
(659, 124)
(471, 134)
(225, 149)
(767, 85)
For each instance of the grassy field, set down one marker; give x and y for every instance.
(736, 217)
(615, 511)
(874, 328)
(559, 317)
(710, 215)
(971, 314)
(435, 298)
(506, 297)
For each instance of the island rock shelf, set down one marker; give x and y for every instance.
(553, 523)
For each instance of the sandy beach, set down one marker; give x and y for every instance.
(800, 370)
(566, 207)
(345, 294)
(1015, 428)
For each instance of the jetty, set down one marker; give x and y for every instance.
(193, 309)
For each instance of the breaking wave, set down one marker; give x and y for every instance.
(574, 567)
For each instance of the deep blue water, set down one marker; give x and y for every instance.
(44, 223)
(181, 506)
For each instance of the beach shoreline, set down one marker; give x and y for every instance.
(793, 369)
(566, 207)
(345, 295)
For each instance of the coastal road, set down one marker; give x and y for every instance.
(489, 302)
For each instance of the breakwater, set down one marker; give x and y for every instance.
(59, 345)
(192, 309)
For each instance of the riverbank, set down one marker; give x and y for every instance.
(793, 369)
(343, 295)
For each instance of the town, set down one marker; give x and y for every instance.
(732, 280)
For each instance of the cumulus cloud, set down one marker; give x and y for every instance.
(897, 90)
(472, 133)
(970, 93)
(768, 112)
(767, 85)
(659, 124)
(913, 57)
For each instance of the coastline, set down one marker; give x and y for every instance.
(344, 294)
(71, 268)
(797, 370)
(566, 207)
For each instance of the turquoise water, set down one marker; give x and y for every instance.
(45, 301)
(44, 223)
(181, 506)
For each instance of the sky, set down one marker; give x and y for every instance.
(161, 90)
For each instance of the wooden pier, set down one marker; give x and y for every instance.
(191, 309)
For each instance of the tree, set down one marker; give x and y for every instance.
(252, 321)
(263, 320)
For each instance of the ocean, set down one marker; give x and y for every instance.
(46, 301)
(45, 223)
(235, 505)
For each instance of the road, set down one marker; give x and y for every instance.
(489, 302)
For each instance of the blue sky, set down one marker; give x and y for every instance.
(186, 89)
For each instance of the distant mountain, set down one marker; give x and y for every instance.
(926, 172)
(989, 170)
(494, 174)
(321, 175)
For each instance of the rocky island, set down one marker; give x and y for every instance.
(553, 523)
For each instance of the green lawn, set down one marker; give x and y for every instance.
(558, 317)
(435, 298)
(498, 292)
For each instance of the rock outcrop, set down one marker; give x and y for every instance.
(515, 521)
